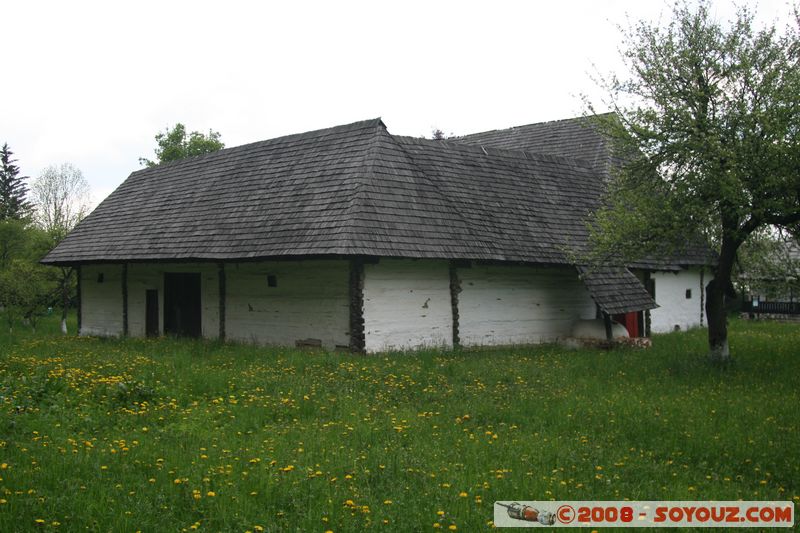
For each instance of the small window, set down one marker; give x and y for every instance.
(272, 280)
(688, 294)
(100, 278)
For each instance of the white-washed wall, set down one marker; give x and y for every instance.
(407, 305)
(310, 301)
(675, 308)
(519, 304)
(144, 276)
(101, 302)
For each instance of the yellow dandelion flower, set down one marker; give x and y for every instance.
(387, 502)
(462, 494)
(452, 527)
(211, 494)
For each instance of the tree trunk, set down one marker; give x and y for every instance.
(716, 292)
(717, 321)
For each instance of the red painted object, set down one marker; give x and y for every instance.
(630, 321)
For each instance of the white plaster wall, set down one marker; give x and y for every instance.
(407, 305)
(101, 303)
(144, 276)
(311, 301)
(675, 308)
(520, 304)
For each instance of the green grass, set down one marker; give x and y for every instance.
(165, 435)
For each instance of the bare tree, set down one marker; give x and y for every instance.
(62, 198)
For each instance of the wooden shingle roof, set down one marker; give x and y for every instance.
(347, 190)
(575, 138)
(616, 290)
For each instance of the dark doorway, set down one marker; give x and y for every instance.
(151, 313)
(182, 304)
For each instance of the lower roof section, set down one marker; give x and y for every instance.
(615, 289)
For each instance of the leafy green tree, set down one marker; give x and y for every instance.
(13, 191)
(175, 144)
(27, 289)
(13, 240)
(62, 198)
(708, 124)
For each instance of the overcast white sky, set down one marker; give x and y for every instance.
(91, 83)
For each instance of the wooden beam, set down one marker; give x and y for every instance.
(607, 322)
(79, 304)
(455, 289)
(703, 295)
(649, 285)
(357, 340)
(124, 299)
(222, 288)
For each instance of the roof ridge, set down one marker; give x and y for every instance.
(488, 150)
(542, 123)
(359, 179)
(454, 211)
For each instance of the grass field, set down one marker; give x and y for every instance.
(165, 435)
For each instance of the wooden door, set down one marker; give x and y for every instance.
(151, 313)
(182, 304)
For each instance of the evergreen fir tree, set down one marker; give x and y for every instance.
(13, 191)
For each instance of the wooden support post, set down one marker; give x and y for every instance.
(78, 302)
(650, 286)
(607, 322)
(455, 288)
(125, 299)
(357, 340)
(702, 296)
(222, 288)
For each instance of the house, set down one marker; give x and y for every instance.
(770, 286)
(350, 237)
